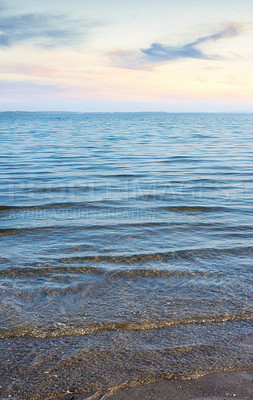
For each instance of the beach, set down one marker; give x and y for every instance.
(221, 386)
(217, 386)
(126, 200)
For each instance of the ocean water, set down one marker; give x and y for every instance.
(126, 249)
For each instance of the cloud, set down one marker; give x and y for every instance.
(160, 52)
(157, 52)
(231, 30)
(42, 30)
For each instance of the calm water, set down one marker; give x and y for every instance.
(126, 248)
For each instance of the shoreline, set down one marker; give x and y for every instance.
(215, 386)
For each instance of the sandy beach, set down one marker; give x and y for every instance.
(217, 386)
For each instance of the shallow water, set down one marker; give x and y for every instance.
(126, 248)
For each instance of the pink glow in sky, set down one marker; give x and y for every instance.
(136, 56)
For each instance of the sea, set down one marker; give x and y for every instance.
(126, 249)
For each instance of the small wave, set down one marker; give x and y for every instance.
(53, 229)
(181, 159)
(20, 231)
(63, 189)
(192, 209)
(49, 270)
(75, 228)
(159, 273)
(62, 329)
(3, 208)
(126, 176)
(45, 270)
(150, 197)
(49, 206)
(178, 255)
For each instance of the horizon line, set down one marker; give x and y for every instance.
(126, 112)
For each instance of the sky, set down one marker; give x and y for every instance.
(136, 55)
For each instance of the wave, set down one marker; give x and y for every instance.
(18, 231)
(49, 270)
(62, 329)
(124, 176)
(175, 255)
(195, 209)
(75, 228)
(118, 273)
(64, 190)
(49, 206)
(160, 273)
(145, 224)
(182, 159)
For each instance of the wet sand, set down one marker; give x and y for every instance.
(217, 386)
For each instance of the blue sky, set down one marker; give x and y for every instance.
(134, 56)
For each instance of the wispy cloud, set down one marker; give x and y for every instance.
(157, 52)
(43, 30)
